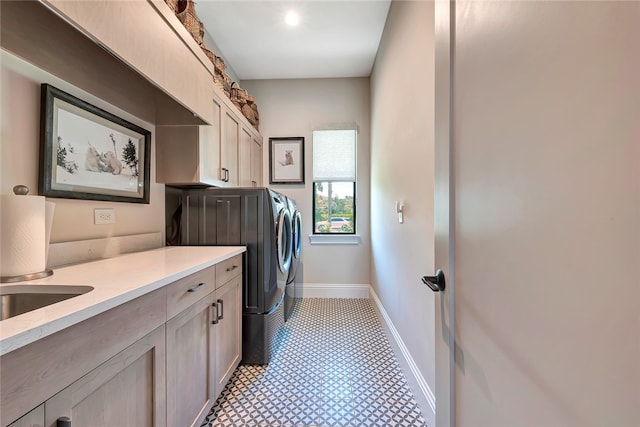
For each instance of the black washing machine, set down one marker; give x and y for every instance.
(296, 257)
(257, 218)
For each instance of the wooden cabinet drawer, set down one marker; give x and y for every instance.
(184, 292)
(228, 269)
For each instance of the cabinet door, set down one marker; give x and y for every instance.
(34, 418)
(256, 162)
(229, 149)
(219, 220)
(190, 364)
(126, 390)
(146, 43)
(209, 152)
(229, 331)
(189, 154)
(245, 158)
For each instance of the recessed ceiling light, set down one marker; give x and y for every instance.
(291, 18)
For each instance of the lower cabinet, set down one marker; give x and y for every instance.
(191, 363)
(35, 418)
(126, 390)
(170, 377)
(229, 331)
(204, 347)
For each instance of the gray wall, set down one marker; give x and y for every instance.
(19, 154)
(296, 108)
(402, 169)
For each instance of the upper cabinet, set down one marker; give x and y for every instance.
(228, 153)
(136, 55)
(190, 154)
(251, 159)
(133, 54)
(230, 147)
(256, 160)
(246, 140)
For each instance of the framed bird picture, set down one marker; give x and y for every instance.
(286, 160)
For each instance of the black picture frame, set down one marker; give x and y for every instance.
(286, 160)
(89, 153)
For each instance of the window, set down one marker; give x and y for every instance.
(334, 181)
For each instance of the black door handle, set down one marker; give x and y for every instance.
(435, 283)
(221, 309)
(217, 318)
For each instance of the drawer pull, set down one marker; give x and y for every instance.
(221, 309)
(216, 319)
(232, 268)
(195, 288)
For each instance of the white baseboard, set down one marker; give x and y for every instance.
(331, 290)
(417, 379)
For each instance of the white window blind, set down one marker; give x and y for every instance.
(334, 155)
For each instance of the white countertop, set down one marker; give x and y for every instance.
(115, 281)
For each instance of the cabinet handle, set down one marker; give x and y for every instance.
(232, 268)
(63, 422)
(216, 319)
(226, 174)
(221, 309)
(255, 184)
(196, 287)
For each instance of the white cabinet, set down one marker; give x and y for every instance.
(159, 360)
(221, 155)
(190, 348)
(126, 390)
(34, 418)
(37, 372)
(228, 153)
(229, 331)
(146, 42)
(229, 148)
(256, 161)
(246, 140)
(135, 55)
(204, 340)
(191, 364)
(250, 158)
(190, 154)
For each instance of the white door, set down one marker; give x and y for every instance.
(543, 244)
(443, 215)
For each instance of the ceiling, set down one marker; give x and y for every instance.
(337, 38)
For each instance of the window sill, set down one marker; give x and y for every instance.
(335, 239)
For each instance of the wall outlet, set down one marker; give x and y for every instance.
(104, 216)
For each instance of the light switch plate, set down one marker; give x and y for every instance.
(104, 216)
(400, 211)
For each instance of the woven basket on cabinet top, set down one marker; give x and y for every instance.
(186, 13)
(223, 81)
(210, 55)
(173, 5)
(238, 94)
(251, 114)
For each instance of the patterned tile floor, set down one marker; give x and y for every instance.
(332, 366)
